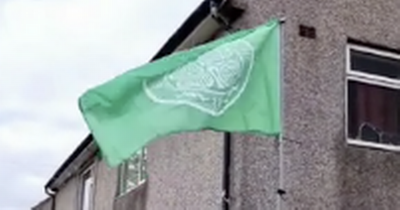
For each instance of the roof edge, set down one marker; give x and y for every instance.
(82, 146)
(190, 24)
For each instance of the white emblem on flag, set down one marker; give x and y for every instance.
(212, 83)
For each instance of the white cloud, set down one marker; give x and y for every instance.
(51, 51)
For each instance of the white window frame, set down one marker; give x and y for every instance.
(366, 78)
(90, 172)
(122, 176)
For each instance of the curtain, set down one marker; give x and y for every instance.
(375, 106)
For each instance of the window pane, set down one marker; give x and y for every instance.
(373, 113)
(374, 64)
(143, 170)
(87, 191)
(122, 178)
(132, 172)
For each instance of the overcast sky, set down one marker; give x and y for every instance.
(51, 51)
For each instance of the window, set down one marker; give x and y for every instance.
(373, 98)
(86, 194)
(132, 172)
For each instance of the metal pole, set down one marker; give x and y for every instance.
(280, 138)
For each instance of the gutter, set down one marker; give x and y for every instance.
(79, 150)
(184, 31)
(225, 14)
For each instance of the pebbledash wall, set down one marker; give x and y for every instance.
(104, 197)
(185, 172)
(321, 171)
(105, 187)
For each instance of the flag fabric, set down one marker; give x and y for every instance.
(231, 85)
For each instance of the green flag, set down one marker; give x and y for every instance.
(231, 84)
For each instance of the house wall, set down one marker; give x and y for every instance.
(44, 205)
(106, 180)
(105, 195)
(185, 172)
(67, 197)
(134, 199)
(320, 170)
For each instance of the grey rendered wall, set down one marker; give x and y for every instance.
(135, 199)
(67, 196)
(185, 172)
(106, 179)
(321, 170)
(44, 205)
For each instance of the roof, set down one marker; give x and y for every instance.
(199, 27)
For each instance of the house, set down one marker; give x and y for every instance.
(341, 68)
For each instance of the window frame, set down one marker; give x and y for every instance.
(122, 174)
(370, 79)
(88, 171)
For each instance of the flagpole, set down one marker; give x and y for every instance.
(281, 181)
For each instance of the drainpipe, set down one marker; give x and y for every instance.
(52, 195)
(215, 7)
(226, 181)
(228, 145)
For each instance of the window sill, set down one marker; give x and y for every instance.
(139, 186)
(134, 199)
(372, 145)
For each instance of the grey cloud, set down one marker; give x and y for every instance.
(8, 116)
(68, 124)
